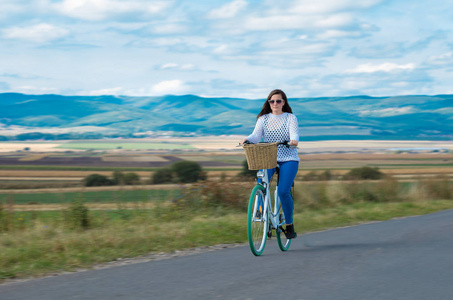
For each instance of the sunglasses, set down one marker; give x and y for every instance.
(273, 101)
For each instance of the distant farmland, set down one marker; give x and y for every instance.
(103, 145)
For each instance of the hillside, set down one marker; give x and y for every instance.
(358, 117)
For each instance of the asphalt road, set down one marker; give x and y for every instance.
(410, 258)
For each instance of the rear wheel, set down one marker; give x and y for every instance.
(257, 221)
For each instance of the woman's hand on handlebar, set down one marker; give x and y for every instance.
(293, 143)
(245, 141)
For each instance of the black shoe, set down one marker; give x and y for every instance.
(289, 232)
(269, 231)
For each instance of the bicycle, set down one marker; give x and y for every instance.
(265, 213)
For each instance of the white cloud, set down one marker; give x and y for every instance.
(308, 14)
(387, 47)
(277, 22)
(169, 87)
(9, 7)
(334, 21)
(97, 10)
(38, 33)
(110, 91)
(169, 28)
(228, 10)
(175, 66)
(297, 49)
(441, 60)
(385, 67)
(165, 42)
(35, 90)
(337, 34)
(354, 84)
(169, 66)
(329, 6)
(296, 21)
(223, 50)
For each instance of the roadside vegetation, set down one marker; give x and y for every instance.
(201, 213)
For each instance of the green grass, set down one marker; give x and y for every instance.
(92, 197)
(345, 215)
(46, 247)
(208, 213)
(430, 165)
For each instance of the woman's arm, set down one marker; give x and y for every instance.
(293, 131)
(258, 132)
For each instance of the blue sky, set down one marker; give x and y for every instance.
(240, 48)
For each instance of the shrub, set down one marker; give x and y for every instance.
(314, 176)
(96, 180)
(313, 196)
(76, 216)
(389, 190)
(163, 175)
(4, 219)
(359, 192)
(330, 194)
(438, 187)
(120, 178)
(212, 194)
(7, 214)
(187, 171)
(131, 178)
(326, 175)
(363, 173)
(310, 176)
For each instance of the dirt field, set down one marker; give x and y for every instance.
(393, 157)
(37, 147)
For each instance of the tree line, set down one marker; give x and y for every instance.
(179, 172)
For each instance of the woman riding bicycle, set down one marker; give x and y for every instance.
(276, 123)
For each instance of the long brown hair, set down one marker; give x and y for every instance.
(267, 107)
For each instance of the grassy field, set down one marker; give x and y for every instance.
(47, 247)
(113, 196)
(81, 232)
(42, 231)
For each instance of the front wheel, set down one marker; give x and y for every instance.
(283, 242)
(257, 221)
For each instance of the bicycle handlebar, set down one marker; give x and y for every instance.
(285, 143)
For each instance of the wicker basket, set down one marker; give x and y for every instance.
(261, 156)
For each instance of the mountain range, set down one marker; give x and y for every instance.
(355, 117)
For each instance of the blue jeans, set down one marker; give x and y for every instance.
(288, 171)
